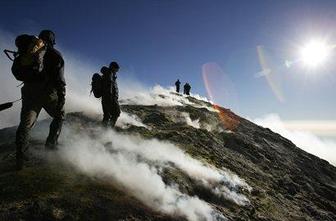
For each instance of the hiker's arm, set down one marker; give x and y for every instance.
(115, 87)
(116, 91)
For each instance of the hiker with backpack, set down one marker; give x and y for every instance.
(105, 86)
(186, 89)
(177, 85)
(110, 95)
(41, 69)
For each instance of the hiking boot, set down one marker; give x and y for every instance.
(50, 146)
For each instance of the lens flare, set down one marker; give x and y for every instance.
(220, 89)
(267, 67)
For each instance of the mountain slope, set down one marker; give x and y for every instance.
(236, 170)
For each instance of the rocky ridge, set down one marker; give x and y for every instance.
(284, 182)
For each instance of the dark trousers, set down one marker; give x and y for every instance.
(33, 100)
(111, 111)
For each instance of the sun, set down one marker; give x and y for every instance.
(314, 53)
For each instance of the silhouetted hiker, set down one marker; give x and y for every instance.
(41, 68)
(177, 84)
(110, 102)
(186, 89)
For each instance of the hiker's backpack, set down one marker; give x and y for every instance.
(28, 60)
(97, 85)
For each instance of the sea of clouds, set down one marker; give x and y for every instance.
(323, 148)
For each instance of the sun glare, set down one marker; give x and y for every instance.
(314, 53)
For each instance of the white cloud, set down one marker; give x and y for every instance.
(323, 148)
(318, 127)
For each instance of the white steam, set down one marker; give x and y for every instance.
(193, 123)
(184, 117)
(126, 120)
(136, 165)
(157, 96)
(130, 161)
(199, 125)
(323, 148)
(78, 73)
(78, 76)
(161, 96)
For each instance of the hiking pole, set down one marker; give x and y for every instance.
(8, 52)
(7, 105)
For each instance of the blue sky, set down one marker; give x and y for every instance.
(158, 41)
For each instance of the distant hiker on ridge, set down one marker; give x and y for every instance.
(177, 84)
(110, 94)
(186, 89)
(41, 68)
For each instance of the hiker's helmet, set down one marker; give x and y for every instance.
(48, 37)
